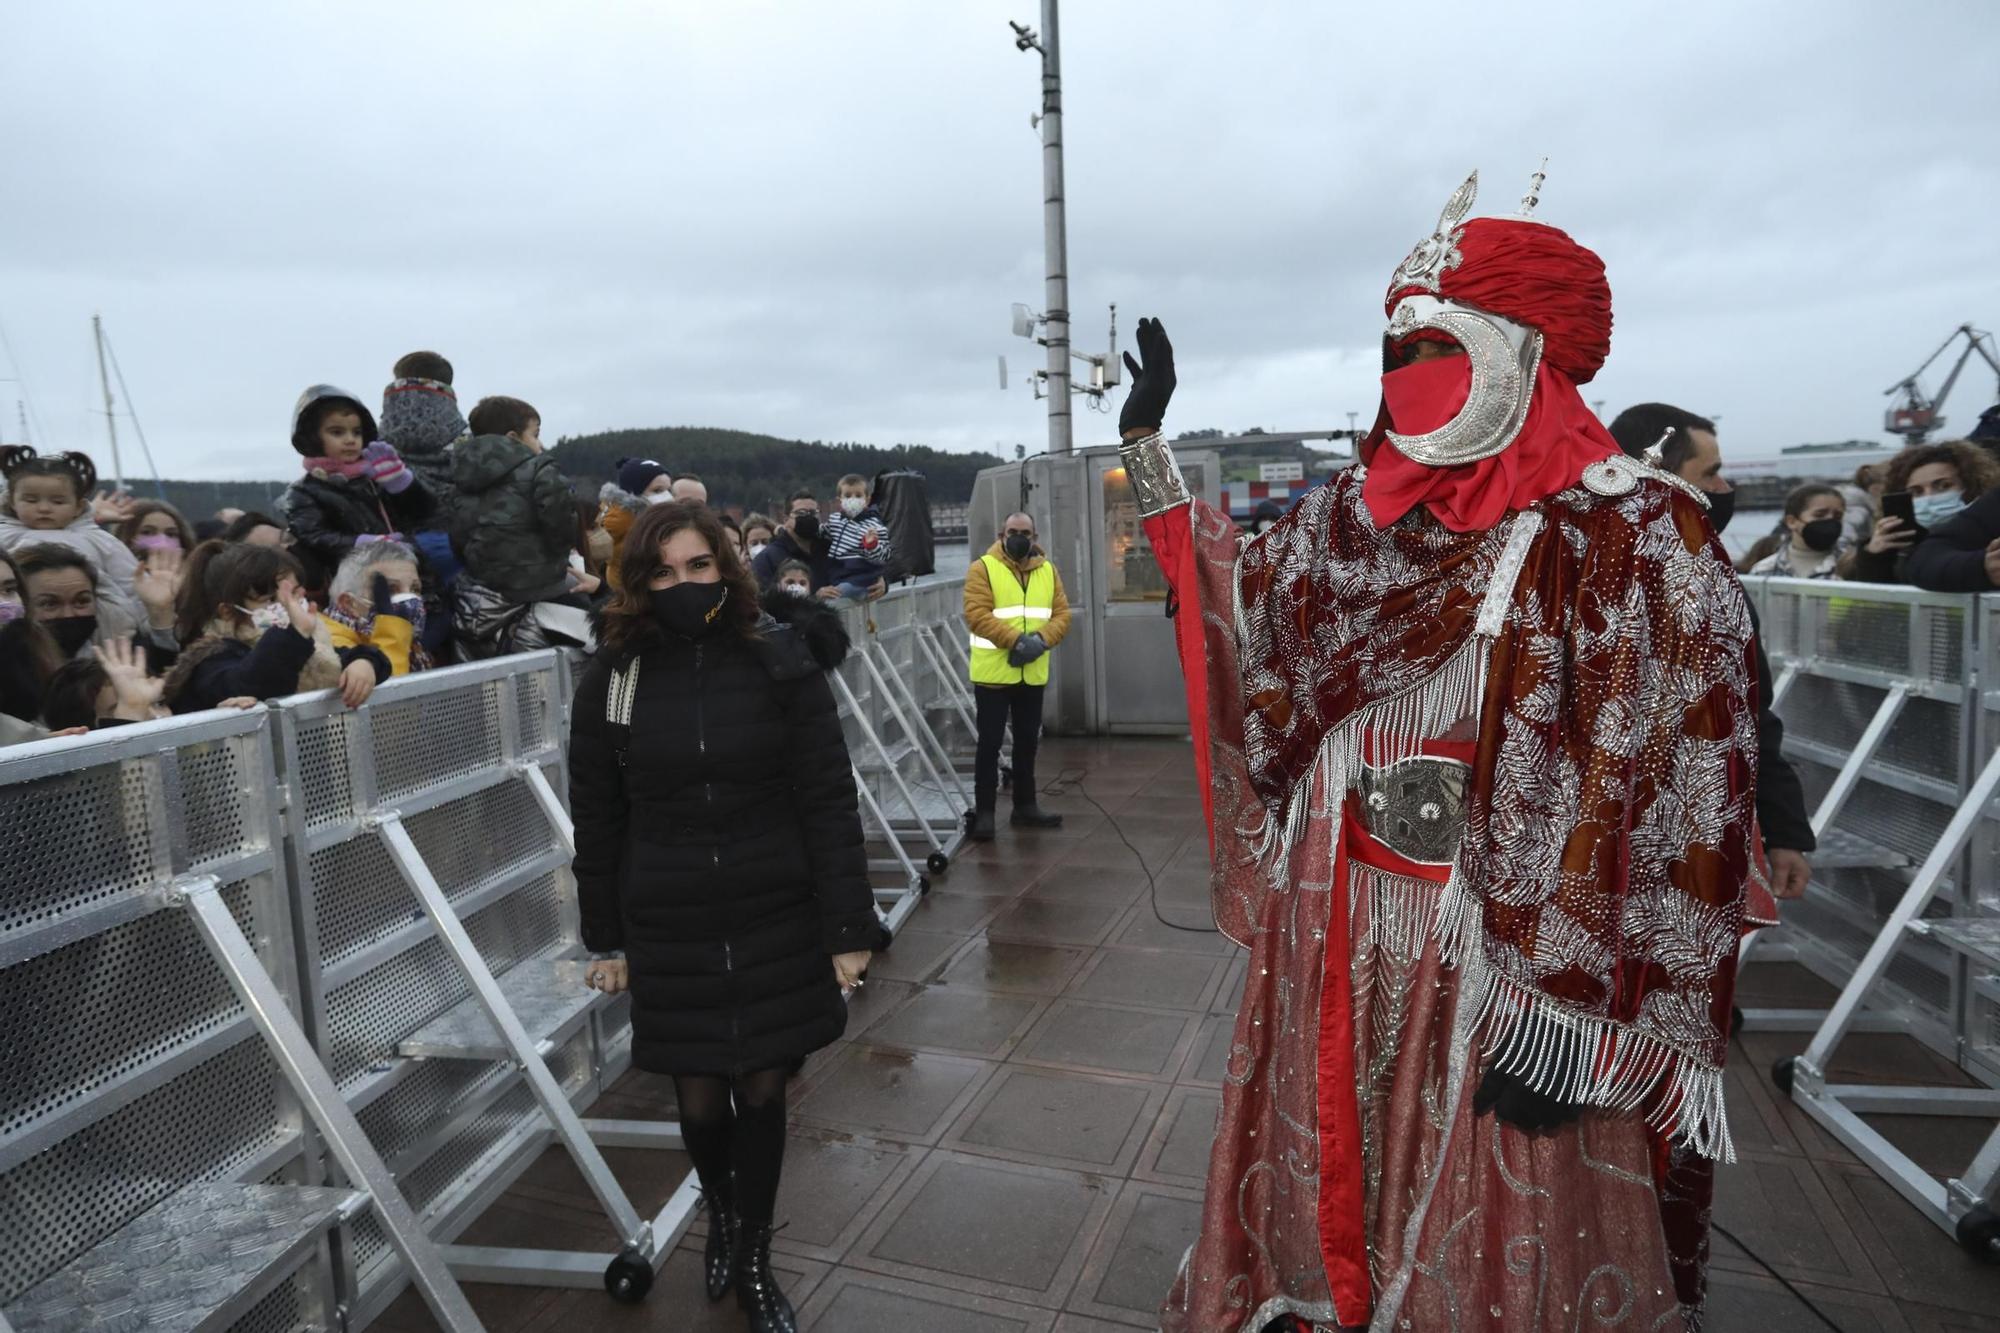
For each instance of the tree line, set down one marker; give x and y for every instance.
(756, 471)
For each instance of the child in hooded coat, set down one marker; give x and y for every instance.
(356, 486)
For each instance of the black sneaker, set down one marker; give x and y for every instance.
(982, 829)
(1032, 815)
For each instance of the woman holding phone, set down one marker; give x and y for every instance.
(719, 850)
(1924, 488)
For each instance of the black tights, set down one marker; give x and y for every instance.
(734, 1126)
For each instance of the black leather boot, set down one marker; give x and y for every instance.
(983, 828)
(757, 1286)
(1032, 815)
(724, 1241)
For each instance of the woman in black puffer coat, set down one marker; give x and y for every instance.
(719, 846)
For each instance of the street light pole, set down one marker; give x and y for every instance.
(1055, 231)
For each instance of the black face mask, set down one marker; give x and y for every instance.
(71, 632)
(805, 526)
(1721, 507)
(690, 609)
(1018, 545)
(1820, 534)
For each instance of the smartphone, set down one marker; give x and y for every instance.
(1898, 505)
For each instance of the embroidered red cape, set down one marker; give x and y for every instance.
(1609, 824)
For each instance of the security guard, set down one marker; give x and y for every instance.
(1015, 607)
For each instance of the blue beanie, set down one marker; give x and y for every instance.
(636, 474)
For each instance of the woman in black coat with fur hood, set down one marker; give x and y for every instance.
(719, 846)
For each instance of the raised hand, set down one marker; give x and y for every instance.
(107, 508)
(293, 599)
(1152, 382)
(157, 583)
(125, 667)
(387, 468)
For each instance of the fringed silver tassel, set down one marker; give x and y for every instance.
(1457, 923)
(1597, 1062)
(1393, 728)
(1399, 909)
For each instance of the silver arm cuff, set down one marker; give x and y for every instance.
(1155, 476)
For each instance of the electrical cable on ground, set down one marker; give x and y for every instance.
(1063, 785)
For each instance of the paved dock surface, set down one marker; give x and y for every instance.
(1012, 1136)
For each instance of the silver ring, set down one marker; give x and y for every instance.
(859, 983)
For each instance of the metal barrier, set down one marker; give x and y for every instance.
(1891, 702)
(905, 707)
(158, 1157)
(428, 849)
(293, 994)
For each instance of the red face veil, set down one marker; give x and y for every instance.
(1477, 435)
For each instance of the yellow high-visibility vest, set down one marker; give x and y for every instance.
(1027, 609)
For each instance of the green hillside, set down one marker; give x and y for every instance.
(757, 472)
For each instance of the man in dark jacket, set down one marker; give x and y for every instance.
(800, 539)
(512, 517)
(1963, 555)
(1692, 453)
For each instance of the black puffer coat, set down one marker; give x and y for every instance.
(326, 513)
(723, 852)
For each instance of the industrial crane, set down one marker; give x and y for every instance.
(1917, 415)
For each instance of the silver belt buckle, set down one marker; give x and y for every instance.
(1416, 808)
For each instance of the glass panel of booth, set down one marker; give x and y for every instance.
(1130, 572)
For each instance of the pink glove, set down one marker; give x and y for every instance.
(387, 468)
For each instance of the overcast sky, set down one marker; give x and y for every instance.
(810, 218)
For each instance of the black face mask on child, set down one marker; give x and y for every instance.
(690, 609)
(71, 632)
(1821, 534)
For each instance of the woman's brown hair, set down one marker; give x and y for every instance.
(219, 574)
(128, 531)
(1977, 473)
(628, 616)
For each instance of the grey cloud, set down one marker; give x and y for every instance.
(811, 219)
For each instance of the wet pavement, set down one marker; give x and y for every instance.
(1011, 1137)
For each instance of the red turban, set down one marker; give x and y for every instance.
(1535, 275)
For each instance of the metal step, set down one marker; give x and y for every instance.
(547, 995)
(1840, 849)
(198, 1261)
(891, 755)
(1976, 937)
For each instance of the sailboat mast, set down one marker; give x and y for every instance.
(110, 421)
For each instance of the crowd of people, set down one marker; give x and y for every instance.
(414, 539)
(1929, 516)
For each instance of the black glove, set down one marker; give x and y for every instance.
(384, 599)
(1152, 384)
(1521, 1106)
(1026, 649)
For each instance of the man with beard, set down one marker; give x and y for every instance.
(1475, 724)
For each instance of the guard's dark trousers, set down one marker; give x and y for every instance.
(997, 705)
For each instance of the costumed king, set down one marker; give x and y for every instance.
(1477, 735)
